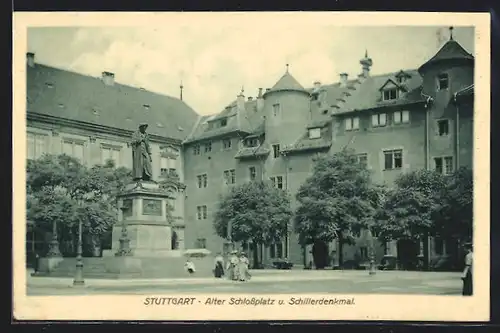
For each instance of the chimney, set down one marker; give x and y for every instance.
(108, 78)
(260, 100)
(343, 80)
(250, 98)
(30, 59)
(259, 95)
(240, 101)
(317, 85)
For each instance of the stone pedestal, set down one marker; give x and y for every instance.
(48, 264)
(144, 217)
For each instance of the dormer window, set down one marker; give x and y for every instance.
(253, 142)
(443, 81)
(314, 133)
(223, 122)
(390, 94)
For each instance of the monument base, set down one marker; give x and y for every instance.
(49, 264)
(123, 265)
(133, 267)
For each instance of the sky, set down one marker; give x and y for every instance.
(214, 62)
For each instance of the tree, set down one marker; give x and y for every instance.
(62, 192)
(254, 212)
(455, 219)
(410, 208)
(336, 202)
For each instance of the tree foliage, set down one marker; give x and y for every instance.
(254, 211)
(61, 191)
(337, 201)
(455, 218)
(425, 203)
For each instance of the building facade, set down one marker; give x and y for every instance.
(397, 122)
(406, 120)
(92, 119)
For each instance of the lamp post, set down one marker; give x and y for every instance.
(124, 240)
(372, 253)
(54, 243)
(78, 280)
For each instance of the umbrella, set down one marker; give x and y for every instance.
(197, 253)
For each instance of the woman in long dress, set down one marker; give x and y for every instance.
(467, 273)
(219, 266)
(233, 266)
(243, 268)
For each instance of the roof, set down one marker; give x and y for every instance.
(63, 94)
(304, 143)
(451, 50)
(286, 83)
(248, 152)
(366, 93)
(249, 121)
(464, 93)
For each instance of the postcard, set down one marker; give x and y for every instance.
(251, 166)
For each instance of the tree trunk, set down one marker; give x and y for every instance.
(255, 252)
(341, 252)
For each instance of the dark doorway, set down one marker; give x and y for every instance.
(320, 254)
(408, 251)
(174, 239)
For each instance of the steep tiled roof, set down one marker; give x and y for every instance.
(367, 95)
(305, 143)
(451, 50)
(248, 152)
(63, 94)
(249, 121)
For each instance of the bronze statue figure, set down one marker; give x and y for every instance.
(141, 154)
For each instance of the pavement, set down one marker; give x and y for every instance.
(264, 281)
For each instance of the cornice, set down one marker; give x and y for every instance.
(95, 128)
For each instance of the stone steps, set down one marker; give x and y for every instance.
(152, 267)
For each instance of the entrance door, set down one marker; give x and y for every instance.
(320, 254)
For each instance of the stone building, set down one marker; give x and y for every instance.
(406, 120)
(93, 119)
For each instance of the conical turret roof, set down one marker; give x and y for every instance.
(451, 50)
(287, 83)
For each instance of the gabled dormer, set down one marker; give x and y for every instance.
(391, 91)
(402, 77)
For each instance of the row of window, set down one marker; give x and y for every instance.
(379, 120)
(37, 145)
(207, 146)
(393, 159)
(230, 178)
(399, 117)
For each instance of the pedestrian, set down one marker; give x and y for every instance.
(37, 262)
(244, 274)
(467, 272)
(219, 266)
(233, 266)
(189, 265)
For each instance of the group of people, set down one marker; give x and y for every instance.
(236, 268)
